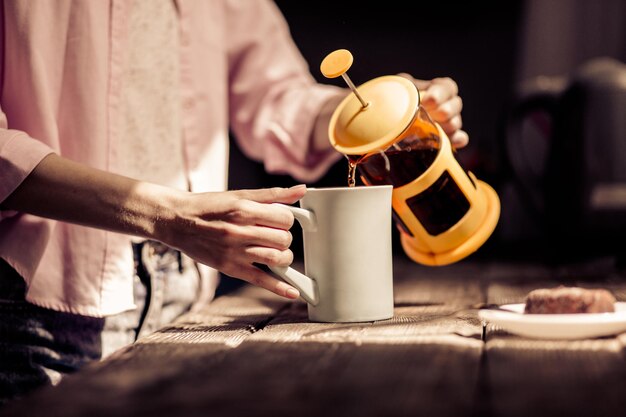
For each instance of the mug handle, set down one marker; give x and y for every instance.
(307, 286)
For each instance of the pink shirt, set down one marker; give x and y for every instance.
(61, 84)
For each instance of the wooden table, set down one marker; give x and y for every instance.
(253, 354)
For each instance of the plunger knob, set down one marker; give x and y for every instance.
(336, 64)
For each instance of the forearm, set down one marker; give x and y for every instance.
(64, 190)
(230, 231)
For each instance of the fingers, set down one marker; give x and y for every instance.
(459, 139)
(242, 253)
(435, 92)
(268, 256)
(441, 100)
(439, 91)
(254, 207)
(261, 236)
(239, 261)
(452, 125)
(447, 110)
(448, 115)
(262, 279)
(248, 212)
(232, 230)
(274, 195)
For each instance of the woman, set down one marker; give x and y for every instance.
(113, 150)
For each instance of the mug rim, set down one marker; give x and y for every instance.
(344, 189)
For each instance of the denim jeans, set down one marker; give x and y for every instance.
(38, 345)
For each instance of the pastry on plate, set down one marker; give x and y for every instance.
(569, 300)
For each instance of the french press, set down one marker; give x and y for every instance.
(443, 212)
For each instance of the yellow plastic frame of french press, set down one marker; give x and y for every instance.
(481, 218)
(468, 234)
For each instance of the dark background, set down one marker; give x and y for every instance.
(488, 48)
(474, 45)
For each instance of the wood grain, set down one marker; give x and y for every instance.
(255, 354)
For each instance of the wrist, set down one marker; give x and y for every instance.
(320, 142)
(168, 216)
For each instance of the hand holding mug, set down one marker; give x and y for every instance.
(230, 231)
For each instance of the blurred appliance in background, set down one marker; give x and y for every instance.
(565, 145)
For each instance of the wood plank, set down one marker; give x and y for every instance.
(528, 377)
(454, 285)
(313, 378)
(407, 365)
(225, 322)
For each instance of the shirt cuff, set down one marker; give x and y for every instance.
(19, 155)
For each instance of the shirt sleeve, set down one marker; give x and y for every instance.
(274, 101)
(19, 155)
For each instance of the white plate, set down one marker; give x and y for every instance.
(557, 326)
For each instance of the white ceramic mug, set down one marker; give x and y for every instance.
(347, 254)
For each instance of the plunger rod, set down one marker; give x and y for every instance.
(337, 63)
(348, 81)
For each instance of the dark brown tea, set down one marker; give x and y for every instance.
(395, 167)
(352, 163)
(437, 208)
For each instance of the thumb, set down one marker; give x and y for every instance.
(421, 85)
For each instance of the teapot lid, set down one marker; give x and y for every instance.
(392, 103)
